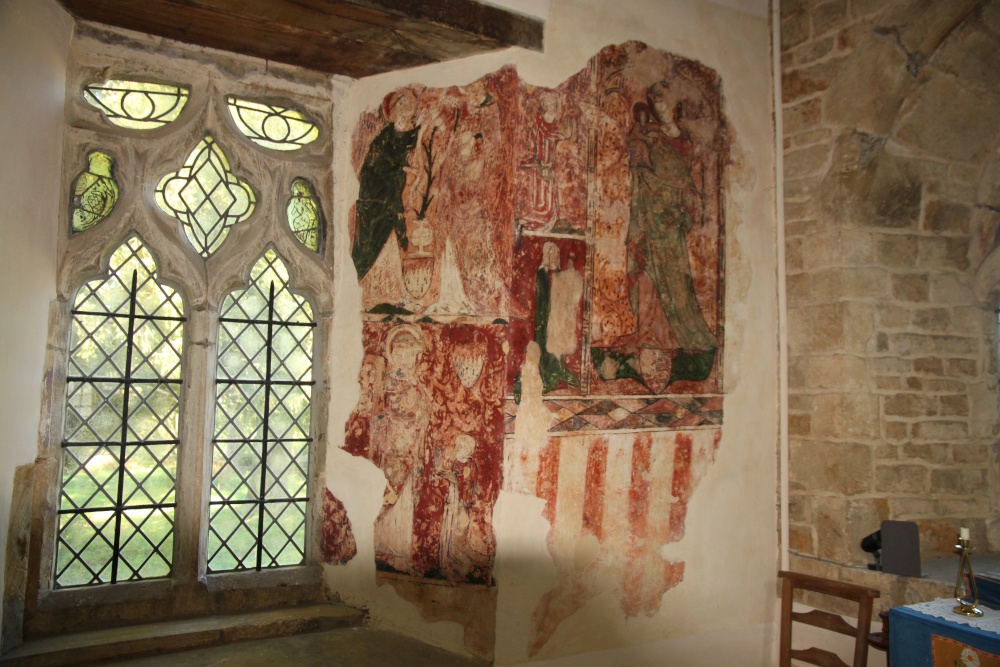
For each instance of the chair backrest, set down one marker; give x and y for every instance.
(863, 596)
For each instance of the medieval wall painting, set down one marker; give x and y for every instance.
(551, 156)
(542, 280)
(547, 299)
(431, 419)
(431, 227)
(620, 498)
(657, 230)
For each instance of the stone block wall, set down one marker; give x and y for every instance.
(891, 207)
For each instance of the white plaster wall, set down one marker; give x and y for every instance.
(722, 613)
(34, 40)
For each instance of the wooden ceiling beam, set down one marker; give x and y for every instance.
(505, 27)
(355, 38)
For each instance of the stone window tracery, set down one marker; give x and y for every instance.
(206, 197)
(140, 470)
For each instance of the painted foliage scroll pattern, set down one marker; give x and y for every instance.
(542, 281)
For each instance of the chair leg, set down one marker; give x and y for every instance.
(864, 626)
(880, 640)
(785, 655)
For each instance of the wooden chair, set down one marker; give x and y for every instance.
(880, 640)
(863, 596)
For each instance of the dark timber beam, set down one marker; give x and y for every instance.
(355, 38)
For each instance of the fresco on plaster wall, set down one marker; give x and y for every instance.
(431, 243)
(642, 132)
(633, 407)
(614, 502)
(549, 285)
(551, 158)
(430, 418)
(431, 233)
(656, 318)
(552, 250)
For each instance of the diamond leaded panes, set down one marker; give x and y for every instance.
(260, 462)
(137, 105)
(271, 126)
(120, 438)
(206, 197)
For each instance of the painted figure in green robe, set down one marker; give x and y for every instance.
(664, 199)
(379, 210)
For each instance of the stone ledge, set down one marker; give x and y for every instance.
(167, 636)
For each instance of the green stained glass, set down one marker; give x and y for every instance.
(95, 192)
(305, 217)
(137, 105)
(206, 197)
(275, 127)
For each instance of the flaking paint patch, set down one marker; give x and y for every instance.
(338, 546)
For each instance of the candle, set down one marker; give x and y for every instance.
(963, 533)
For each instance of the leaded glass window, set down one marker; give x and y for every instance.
(137, 105)
(119, 449)
(206, 197)
(276, 127)
(260, 463)
(305, 217)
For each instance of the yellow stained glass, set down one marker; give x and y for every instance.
(305, 218)
(206, 197)
(275, 127)
(137, 105)
(95, 192)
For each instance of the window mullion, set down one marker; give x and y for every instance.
(119, 498)
(266, 426)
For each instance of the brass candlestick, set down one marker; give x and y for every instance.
(964, 549)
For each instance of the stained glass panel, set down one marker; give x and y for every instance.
(206, 197)
(305, 217)
(95, 192)
(120, 433)
(137, 105)
(260, 463)
(271, 126)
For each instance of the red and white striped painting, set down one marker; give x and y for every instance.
(625, 494)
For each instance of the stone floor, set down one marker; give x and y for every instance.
(346, 647)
